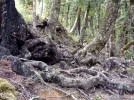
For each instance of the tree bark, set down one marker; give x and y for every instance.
(99, 42)
(12, 27)
(55, 11)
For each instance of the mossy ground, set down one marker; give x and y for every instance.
(7, 91)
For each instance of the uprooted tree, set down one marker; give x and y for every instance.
(17, 39)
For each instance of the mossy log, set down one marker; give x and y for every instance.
(126, 47)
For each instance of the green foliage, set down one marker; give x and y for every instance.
(74, 38)
(24, 9)
(68, 15)
(97, 98)
(7, 91)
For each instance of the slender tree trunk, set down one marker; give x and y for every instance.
(98, 16)
(85, 24)
(76, 20)
(40, 9)
(68, 9)
(106, 29)
(122, 36)
(91, 25)
(78, 25)
(107, 48)
(34, 14)
(110, 49)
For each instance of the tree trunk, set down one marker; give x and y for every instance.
(34, 14)
(85, 24)
(53, 20)
(68, 9)
(106, 29)
(76, 20)
(40, 8)
(78, 25)
(20, 40)
(12, 27)
(122, 36)
(110, 49)
(55, 11)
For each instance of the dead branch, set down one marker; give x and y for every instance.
(86, 96)
(25, 93)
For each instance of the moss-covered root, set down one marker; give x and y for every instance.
(7, 91)
(126, 47)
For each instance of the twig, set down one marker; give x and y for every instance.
(86, 96)
(34, 98)
(123, 76)
(23, 89)
(60, 96)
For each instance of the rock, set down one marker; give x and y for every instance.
(4, 51)
(20, 68)
(89, 61)
(10, 58)
(63, 65)
(97, 67)
(115, 63)
(7, 91)
(74, 63)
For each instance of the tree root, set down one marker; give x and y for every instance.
(44, 83)
(37, 64)
(98, 78)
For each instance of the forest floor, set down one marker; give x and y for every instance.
(29, 88)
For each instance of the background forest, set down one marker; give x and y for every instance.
(73, 15)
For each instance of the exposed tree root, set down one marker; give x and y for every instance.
(87, 83)
(44, 83)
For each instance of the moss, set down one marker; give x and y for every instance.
(130, 71)
(7, 91)
(126, 47)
